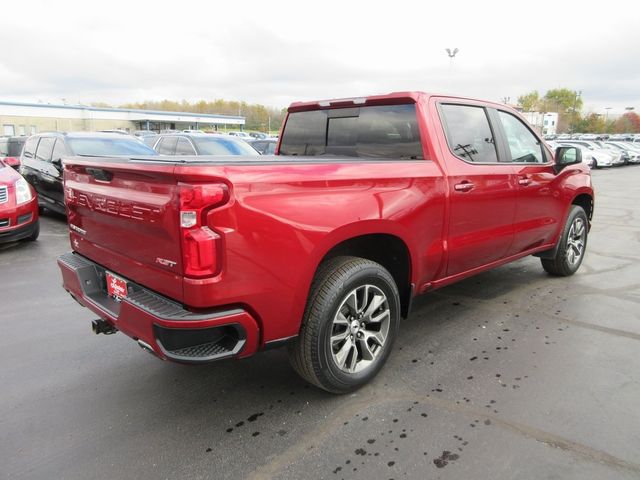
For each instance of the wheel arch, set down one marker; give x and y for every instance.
(388, 250)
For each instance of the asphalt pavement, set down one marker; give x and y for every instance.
(511, 374)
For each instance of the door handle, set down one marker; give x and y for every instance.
(463, 186)
(524, 181)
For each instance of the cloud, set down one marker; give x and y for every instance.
(291, 51)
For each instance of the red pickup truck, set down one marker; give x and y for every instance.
(369, 202)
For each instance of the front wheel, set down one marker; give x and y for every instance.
(573, 244)
(349, 326)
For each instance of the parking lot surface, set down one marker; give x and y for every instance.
(511, 374)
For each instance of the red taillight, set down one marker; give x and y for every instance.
(201, 246)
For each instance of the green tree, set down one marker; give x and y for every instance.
(529, 101)
(592, 123)
(562, 100)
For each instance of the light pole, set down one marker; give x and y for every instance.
(606, 119)
(452, 55)
(575, 106)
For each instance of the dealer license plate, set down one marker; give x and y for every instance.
(116, 286)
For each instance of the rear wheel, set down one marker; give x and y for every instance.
(349, 326)
(573, 243)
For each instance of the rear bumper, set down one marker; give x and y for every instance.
(172, 332)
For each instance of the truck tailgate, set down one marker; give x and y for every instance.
(123, 215)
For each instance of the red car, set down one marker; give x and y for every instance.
(322, 247)
(18, 207)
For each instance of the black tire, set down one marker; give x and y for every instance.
(595, 164)
(36, 233)
(313, 355)
(569, 255)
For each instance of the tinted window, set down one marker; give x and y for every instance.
(223, 146)
(389, 131)
(30, 147)
(45, 147)
(184, 147)
(468, 133)
(523, 145)
(108, 146)
(167, 145)
(259, 146)
(59, 150)
(271, 149)
(15, 146)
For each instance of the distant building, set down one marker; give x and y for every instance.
(545, 123)
(30, 118)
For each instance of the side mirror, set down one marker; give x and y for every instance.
(566, 156)
(57, 162)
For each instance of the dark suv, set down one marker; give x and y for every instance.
(201, 144)
(42, 159)
(10, 148)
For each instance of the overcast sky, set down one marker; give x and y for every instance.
(278, 52)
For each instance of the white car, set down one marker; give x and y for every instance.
(595, 159)
(241, 135)
(632, 151)
(600, 154)
(587, 157)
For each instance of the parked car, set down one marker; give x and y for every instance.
(18, 207)
(586, 154)
(603, 157)
(41, 160)
(631, 151)
(117, 130)
(242, 135)
(258, 135)
(201, 144)
(321, 249)
(10, 149)
(141, 134)
(265, 147)
(590, 136)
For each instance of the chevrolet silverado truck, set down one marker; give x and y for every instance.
(322, 247)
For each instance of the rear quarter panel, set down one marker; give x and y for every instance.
(282, 220)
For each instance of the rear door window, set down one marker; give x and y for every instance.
(388, 132)
(468, 133)
(167, 146)
(45, 148)
(30, 147)
(59, 150)
(184, 147)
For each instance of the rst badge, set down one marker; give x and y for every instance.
(165, 263)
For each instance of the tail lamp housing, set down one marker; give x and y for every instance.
(201, 245)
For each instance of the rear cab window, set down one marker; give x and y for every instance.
(386, 132)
